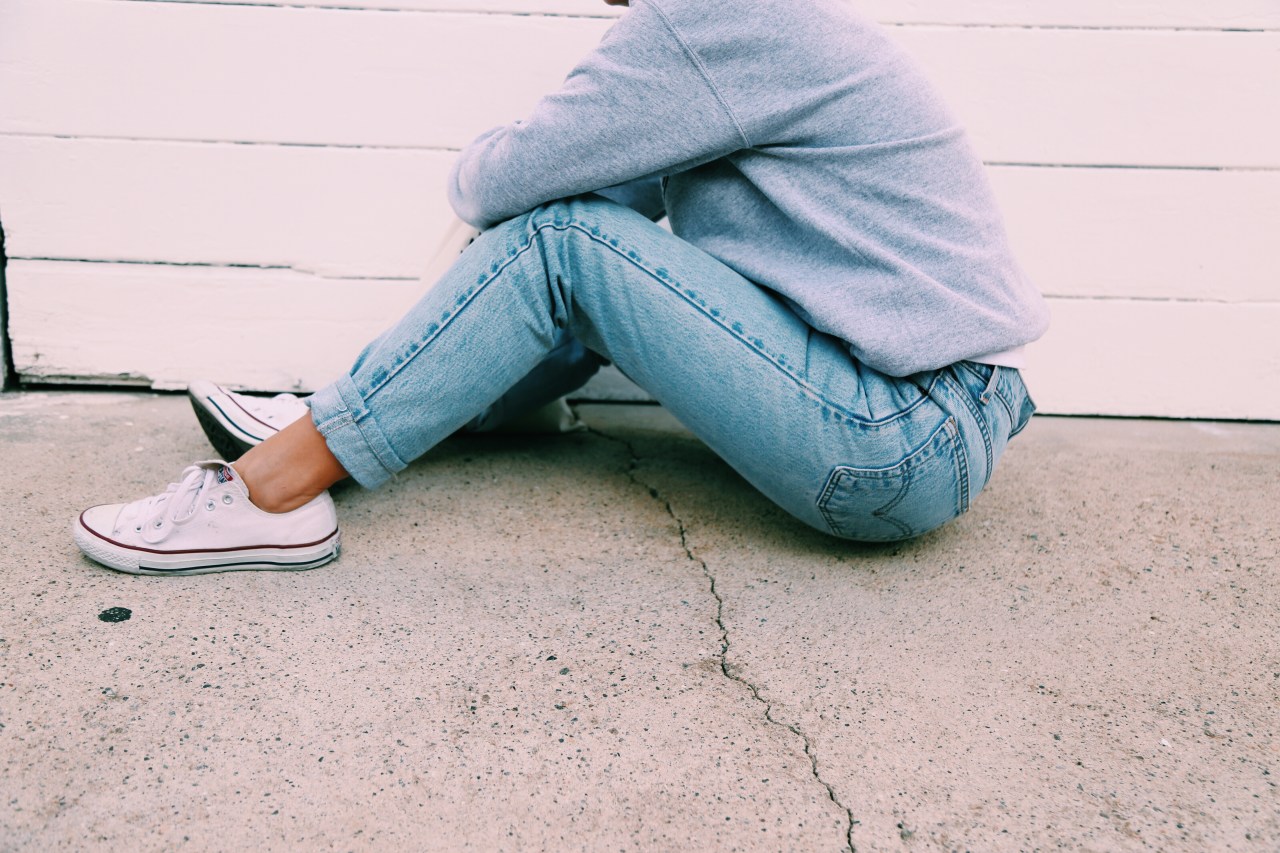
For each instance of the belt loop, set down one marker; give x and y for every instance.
(991, 385)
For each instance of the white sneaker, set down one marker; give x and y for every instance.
(206, 523)
(236, 422)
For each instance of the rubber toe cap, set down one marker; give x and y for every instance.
(101, 519)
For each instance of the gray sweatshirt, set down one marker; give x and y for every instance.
(798, 146)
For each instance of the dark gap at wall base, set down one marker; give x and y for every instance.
(9, 377)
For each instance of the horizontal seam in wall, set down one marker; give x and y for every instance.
(213, 265)
(90, 137)
(1135, 167)
(340, 146)
(992, 25)
(1182, 300)
(1052, 297)
(494, 13)
(1101, 28)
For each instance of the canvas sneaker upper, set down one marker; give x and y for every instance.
(205, 522)
(234, 423)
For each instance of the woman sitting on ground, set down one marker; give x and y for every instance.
(835, 311)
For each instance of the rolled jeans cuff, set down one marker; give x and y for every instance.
(353, 435)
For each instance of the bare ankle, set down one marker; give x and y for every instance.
(269, 494)
(290, 469)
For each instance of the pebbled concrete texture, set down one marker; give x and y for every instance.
(607, 640)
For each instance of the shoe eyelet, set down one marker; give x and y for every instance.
(138, 529)
(159, 524)
(227, 499)
(210, 505)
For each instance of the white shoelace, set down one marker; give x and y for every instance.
(158, 516)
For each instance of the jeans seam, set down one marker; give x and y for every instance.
(595, 234)
(362, 426)
(335, 423)
(436, 329)
(971, 405)
(962, 466)
(1018, 428)
(833, 483)
(993, 388)
(673, 287)
(373, 449)
(1005, 403)
(991, 385)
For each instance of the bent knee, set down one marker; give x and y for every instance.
(589, 211)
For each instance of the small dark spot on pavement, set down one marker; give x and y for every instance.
(116, 614)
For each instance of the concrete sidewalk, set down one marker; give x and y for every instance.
(607, 641)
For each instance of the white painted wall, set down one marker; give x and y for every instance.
(247, 190)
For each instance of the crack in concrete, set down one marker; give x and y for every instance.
(725, 669)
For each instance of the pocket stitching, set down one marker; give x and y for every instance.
(903, 468)
(843, 472)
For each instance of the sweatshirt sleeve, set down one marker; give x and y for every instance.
(638, 106)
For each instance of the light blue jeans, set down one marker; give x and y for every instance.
(838, 445)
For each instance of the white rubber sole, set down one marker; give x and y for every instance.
(145, 561)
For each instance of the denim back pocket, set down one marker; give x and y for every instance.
(928, 488)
